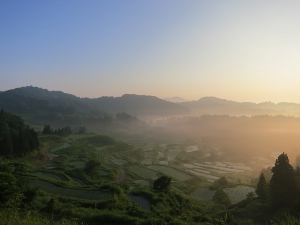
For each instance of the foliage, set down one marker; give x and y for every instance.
(64, 131)
(162, 183)
(92, 167)
(261, 188)
(16, 138)
(283, 186)
(221, 183)
(221, 198)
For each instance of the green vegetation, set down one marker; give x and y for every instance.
(16, 138)
(94, 179)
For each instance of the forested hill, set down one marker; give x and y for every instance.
(31, 100)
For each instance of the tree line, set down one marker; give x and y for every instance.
(283, 190)
(64, 131)
(16, 138)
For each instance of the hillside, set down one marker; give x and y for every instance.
(34, 100)
(218, 106)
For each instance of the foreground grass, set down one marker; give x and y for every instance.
(14, 217)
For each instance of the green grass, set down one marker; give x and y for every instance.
(78, 164)
(14, 217)
(70, 192)
(170, 171)
(79, 136)
(143, 172)
(59, 146)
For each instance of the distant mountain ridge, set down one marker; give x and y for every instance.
(218, 106)
(175, 99)
(33, 99)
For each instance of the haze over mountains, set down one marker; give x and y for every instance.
(33, 99)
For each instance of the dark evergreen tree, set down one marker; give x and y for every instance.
(6, 146)
(283, 185)
(261, 188)
(221, 198)
(162, 184)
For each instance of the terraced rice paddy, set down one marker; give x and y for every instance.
(142, 182)
(70, 192)
(220, 168)
(209, 177)
(78, 164)
(143, 172)
(149, 155)
(160, 155)
(118, 162)
(192, 148)
(238, 193)
(203, 194)
(47, 175)
(107, 166)
(147, 161)
(79, 136)
(173, 153)
(104, 172)
(170, 171)
(163, 162)
(59, 146)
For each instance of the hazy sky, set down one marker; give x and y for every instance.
(238, 50)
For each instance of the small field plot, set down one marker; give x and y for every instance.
(142, 182)
(78, 136)
(201, 174)
(59, 146)
(103, 172)
(163, 162)
(192, 148)
(173, 153)
(47, 175)
(149, 147)
(147, 161)
(69, 192)
(107, 166)
(148, 157)
(203, 194)
(170, 171)
(118, 162)
(143, 172)
(160, 155)
(78, 164)
(163, 146)
(238, 193)
(226, 169)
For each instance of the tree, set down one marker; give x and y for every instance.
(92, 167)
(261, 188)
(221, 198)
(162, 183)
(82, 130)
(283, 185)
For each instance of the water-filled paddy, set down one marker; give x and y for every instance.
(70, 192)
(47, 175)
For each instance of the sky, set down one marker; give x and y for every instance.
(246, 51)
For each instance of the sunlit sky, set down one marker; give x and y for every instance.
(236, 50)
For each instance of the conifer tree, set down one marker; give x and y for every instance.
(283, 185)
(261, 188)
